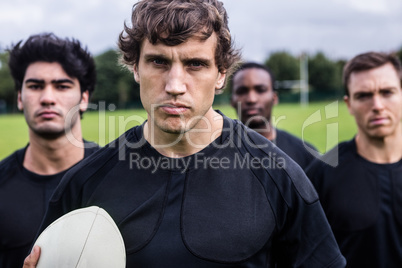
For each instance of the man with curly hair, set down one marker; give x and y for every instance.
(191, 187)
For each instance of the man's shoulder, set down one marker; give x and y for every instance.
(260, 147)
(11, 161)
(98, 158)
(283, 133)
(90, 147)
(299, 150)
(341, 153)
(276, 165)
(11, 165)
(285, 137)
(339, 161)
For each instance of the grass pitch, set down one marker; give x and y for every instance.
(322, 124)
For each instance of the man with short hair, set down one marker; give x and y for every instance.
(362, 194)
(191, 187)
(253, 96)
(54, 78)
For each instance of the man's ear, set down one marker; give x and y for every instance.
(19, 101)
(346, 99)
(276, 98)
(220, 81)
(84, 101)
(136, 74)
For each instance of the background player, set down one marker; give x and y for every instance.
(253, 96)
(362, 195)
(54, 78)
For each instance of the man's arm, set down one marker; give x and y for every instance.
(32, 260)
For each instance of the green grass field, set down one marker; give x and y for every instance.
(323, 124)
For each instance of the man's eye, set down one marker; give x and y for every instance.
(196, 64)
(386, 93)
(363, 96)
(261, 89)
(34, 87)
(63, 87)
(159, 61)
(241, 91)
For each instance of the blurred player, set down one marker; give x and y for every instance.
(54, 78)
(362, 196)
(253, 96)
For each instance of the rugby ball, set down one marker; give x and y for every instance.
(83, 238)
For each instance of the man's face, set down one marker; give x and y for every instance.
(375, 100)
(253, 97)
(47, 96)
(178, 83)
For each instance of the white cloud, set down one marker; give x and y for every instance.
(10, 16)
(339, 28)
(373, 6)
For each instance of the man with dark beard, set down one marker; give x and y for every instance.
(54, 79)
(253, 96)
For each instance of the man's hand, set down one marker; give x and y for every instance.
(32, 260)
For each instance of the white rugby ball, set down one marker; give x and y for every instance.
(83, 238)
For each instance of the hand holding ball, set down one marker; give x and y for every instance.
(83, 238)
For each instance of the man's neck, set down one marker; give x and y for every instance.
(185, 144)
(48, 157)
(382, 151)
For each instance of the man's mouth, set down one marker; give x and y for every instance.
(48, 114)
(174, 109)
(251, 112)
(378, 121)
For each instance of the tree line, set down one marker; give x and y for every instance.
(116, 85)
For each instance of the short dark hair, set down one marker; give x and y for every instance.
(76, 61)
(367, 61)
(172, 22)
(252, 65)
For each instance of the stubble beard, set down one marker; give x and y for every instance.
(54, 132)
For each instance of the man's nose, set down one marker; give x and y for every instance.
(175, 84)
(252, 97)
(47, 96)
(378, 102)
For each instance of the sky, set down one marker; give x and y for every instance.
(339, 28)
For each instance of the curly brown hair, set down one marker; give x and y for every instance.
(172, 22)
